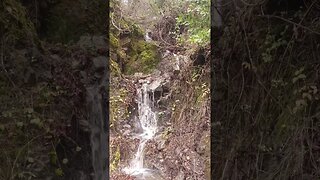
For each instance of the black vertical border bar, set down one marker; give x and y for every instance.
(107, 89)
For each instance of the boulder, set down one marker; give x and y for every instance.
(156, 85)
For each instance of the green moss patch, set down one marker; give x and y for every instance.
(143, 57)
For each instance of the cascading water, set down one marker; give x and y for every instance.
(148, 121)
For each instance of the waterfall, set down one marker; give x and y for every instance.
(148, 121)
(99, 137)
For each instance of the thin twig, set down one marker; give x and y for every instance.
(3, 66)
(113, 23)
(288, 21)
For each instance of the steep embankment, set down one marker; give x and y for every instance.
(178, 90)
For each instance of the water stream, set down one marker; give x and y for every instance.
(148, 122)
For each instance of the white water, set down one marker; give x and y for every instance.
(148, 121)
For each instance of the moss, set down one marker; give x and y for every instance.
(137, 31)
(15, 24)
(115, 69)
(143, 57)
(117, 104)
(114, 42)
(116, 159)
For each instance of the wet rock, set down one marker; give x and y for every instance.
(156, 85)
(141, 81)
(156, 73)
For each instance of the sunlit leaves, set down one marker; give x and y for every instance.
(197, 19)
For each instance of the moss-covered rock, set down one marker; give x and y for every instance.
(144, 58)
(135, 53)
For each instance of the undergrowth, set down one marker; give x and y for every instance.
(265, 95)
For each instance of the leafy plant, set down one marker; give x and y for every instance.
(196, 18)
(272, 44)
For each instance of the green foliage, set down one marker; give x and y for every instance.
(15, 24)
(59, 172)
(116, 159)
(271, 46)
(166, 133)
(117, 104)
(131, 51)
(144, 57)
(197, 19)
(26, 124)
(202, 92)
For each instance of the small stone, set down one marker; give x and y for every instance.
(127, 132)
(161, 145)
(127, 126)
